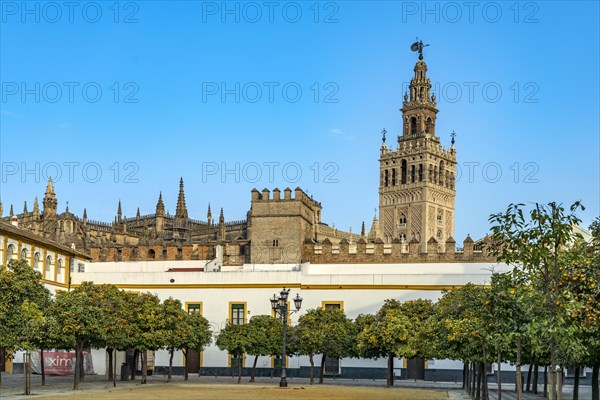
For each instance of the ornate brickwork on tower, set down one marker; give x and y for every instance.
(417, 179)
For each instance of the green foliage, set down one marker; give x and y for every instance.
(324, 331)
(234, 339)
(264, 336)
(23, 301)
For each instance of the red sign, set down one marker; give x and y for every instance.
(62, 363)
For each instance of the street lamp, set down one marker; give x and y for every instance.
(279, 306)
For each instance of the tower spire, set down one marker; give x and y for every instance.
(50, 202)
(36, 207)
(209, 217)
(119, 213)
(160, 206)
(181, 211)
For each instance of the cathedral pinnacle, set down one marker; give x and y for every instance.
(50, 188)
(181, 211)
(25, 208)
(119, 213)
(160, 206)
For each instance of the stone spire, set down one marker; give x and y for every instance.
(209, 217)
(137, 214)
(363, 232)
(50, 202)
(160, 206)
(119, 213)
(85, 216)
(221, 225)
(1, 209)
(36, 207)
(181, 211)
(25, 208)
(11, 213)
(374, 232)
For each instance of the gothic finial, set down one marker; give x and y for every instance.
(36, 206)
(383, 132)
(67, 209)
(84, 214)
(12, 214)
(25, 208)
(160, 206)
(453, 134)
(362, 229)
(50, 187)
(137, 214)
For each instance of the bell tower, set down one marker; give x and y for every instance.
(417, 178)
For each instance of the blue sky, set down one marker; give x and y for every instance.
(121, 100)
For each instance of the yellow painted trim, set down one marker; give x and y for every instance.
(404, 362)
(287, 361)
(53, 283)
(56, 269)
(8, 366)
(68, 270)
(245, 310)
(44, 264)
(337, 302)
(19, 248)
(4, 250)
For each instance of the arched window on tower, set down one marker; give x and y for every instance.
(420, 172)
(428, 125)
(435, 174)
(402, 220)
(442, 174)
(386, 178)
(404, 171)
(413, 125)
(440, 216)
(151, 254)
(412, 174)
(393, 176)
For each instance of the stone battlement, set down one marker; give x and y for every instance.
(378, 252)
(266, 195)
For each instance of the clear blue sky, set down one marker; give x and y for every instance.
(169, 116)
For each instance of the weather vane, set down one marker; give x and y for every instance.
(418, 46)
(453, 134)
(383, 132)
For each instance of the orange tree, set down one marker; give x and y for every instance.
(537, 244)
(19, 283)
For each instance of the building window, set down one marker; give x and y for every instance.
(10, 252)
(413, 125)
(24, 254)
(404, 172)
(72, 265)
(333, 305)
(80, 267)
(36, 260)
(194, 308)
(440, 217)
(275, 242)
(402, 220)
(151, 254)
(59, 265)
(237, 313)
(48, 263)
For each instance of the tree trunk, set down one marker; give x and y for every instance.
(479, 373)
(81, 367)
(484, 391)
(115, 369)
(519, 383)
(78, 349)
(464, 376)
(253, 371)
(595, 387)
(528, 387)
(109, 376)
(170, 370)
(552, 371)
(536, 373)
(559, 384)
(144, 366)
(136, 354)
(473, 378)
(322, 371)
(576, 383)
(240, 368)
(499, 377)
(185, 365)
(312, 368)
(545, 381)
(42, 367)
(390, 369)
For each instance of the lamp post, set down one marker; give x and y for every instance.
(279, 306)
